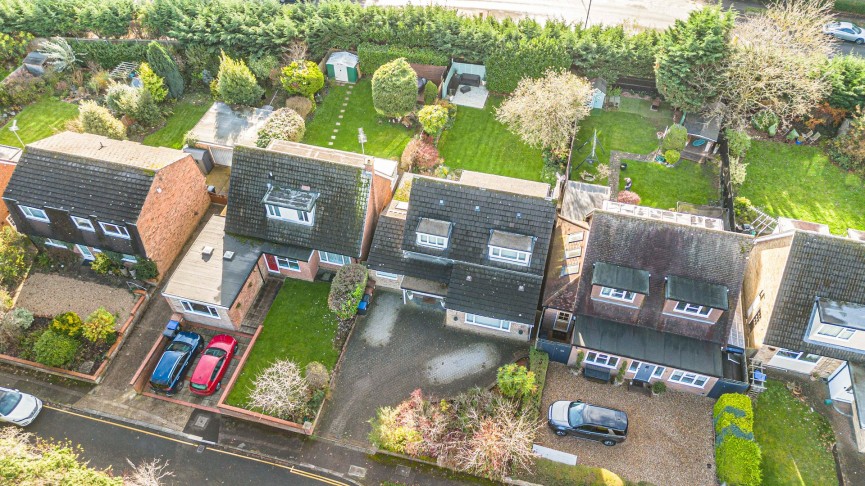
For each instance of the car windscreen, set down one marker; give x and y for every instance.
(857, 30)
(575, 414)
(178, 346)
(215, 352)
(199, 386)
(8, 401)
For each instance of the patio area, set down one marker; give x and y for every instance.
(471, 96)
(49, 294)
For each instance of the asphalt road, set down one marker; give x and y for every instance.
(109, 444)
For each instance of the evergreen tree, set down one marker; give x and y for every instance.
(394, 89)
(165, 67)
(235, 83)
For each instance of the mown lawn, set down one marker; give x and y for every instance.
(39, 120)
(480, 143)
(299, 327)
(384, 139)
(662, 187)
(617, 130)
(800, 182)
(796, 442)
(186, 114)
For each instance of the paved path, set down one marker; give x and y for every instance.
(616, 158)
(397, 349)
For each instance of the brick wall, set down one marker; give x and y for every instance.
(518, 331)
(763, 274)
(381, 192)
(175, 204)
(386, 282)
(307, 269)
(246, 298)
(6, 169)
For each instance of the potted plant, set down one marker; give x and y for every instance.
(579, 364)
(658, 387)
(620, 376)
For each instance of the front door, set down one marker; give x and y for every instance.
(85, 252)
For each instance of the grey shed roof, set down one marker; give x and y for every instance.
(88, 175)
(599, 84)
(222, 125)
(580, 199)
(664, 248)
(643, 344)
(340, 210)
(824, 266)
(703, 125)
(621, 278)
(847, 314)
(342, 57)
(697, 292)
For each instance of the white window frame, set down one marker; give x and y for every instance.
(686, 375)
(83, 224)
(121, 232)
(616, 294)
(329, 257)
(497, 253)
(843, 334)
(212, 311)
(504, 325)
(387, 275)
(602, 359)
(298, 216)
(658, 372)
(55, 243)
(129, 258)
(634, 366)
(692, 309)
(432, 241)
(35, 214)
(796, 355)
(284, 263)
(85, 252)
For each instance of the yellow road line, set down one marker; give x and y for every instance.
(291, 469)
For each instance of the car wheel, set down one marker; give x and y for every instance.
(608, 443)
(859, 42)
(561, 433)
(235, 349)
(218, 386)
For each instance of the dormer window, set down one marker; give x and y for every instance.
(837, 322)
(114, 230)
(433, 233)
(695, 299)
(510, 247)
(291, 205)
(693, 309)
(35, 213)
(619, 285)
(838, 332)
(616, 294)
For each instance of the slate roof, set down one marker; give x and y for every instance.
(620, 277)
(340, 210)
(697, 292)
(386, 254)
(825, 266)
(664, 248)
(88, 175)
(494, 293)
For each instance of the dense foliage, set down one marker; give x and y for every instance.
(107, 54)
(107, 18)
(13, 47)
(394, 89)
(68, 323)
(99, 325)
(135, 103)
(235, 83)
(153, 83)
(676, 138)
(689, 55)
(515, 381)
(847, 77)
(302, 78)
(514, 61)
(373, 56)
(737, 456)
(303, 106)
(98, 120)
(15, 256)
(433, 119)
(283, 124)
(145, 269)
(165, 67)
(848, 150)
(347, 290)
(54, 348)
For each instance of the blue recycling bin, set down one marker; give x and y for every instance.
(171, 329)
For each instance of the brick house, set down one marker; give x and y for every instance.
(91, 194)
(476, 247)
(660, 291)
(9, 157)
(293, 211)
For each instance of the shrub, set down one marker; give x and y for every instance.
(737, 462)
(515, 381)
(737, 401)
(406, 160)
(847, 77)
(394, 89)
(165, 67)
(676, 138)
(452, 112)
(629, 197)
(738, 142)
(433, 119)
(303, 106)
(21, 91)
(372, 56)
(765, 120)
(153, 83)
(98, 120)
(99, 82)
(280, 391)
(283, 124)
(235, 83)
(134, 103)
(551, 473)
(538, 363)
(15, 256)
(513, 61)
(107, 55)
(347, 289)
(14, 47)
(302, 78)
(848, 150)
(54, 348)
(430, 93)
(99, 325)
(59, 54)
(403, 192)
(20, 319)
(145, 269)
(672, 156)
(103, 264)
(264, 66)
(659, 387)
(316, 375)
(744, 210)
(5, 301)
(426, 156)
(68, 323)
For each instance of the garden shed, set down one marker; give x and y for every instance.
(599, 93)
(342, 66)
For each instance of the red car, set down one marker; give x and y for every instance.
(212, 366)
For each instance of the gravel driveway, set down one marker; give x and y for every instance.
(670, 440)
(48, 294)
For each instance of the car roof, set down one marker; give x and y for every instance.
(187, 337)
(841, 25)
(606, 417)
(204, 368)
(166, 364)
(221, 341)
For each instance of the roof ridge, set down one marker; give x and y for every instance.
(600, 212)
(90, 160)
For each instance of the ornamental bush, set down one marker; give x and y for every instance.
(264, 66)
(425, 156)
(135, 103)
(303, 106)
(103, 264)
(744, 210)
(629, 197)
(394, 89)
(515, 381)
(283, 124)
(164, 66)
(99, 325)
(19, 318)
(235, 84)
(672, 156)
(145, 269)
(14, 47)
(98, 120)
(433, 119)
(676, 138)
(68, 323)
(153, 83)
(737, 462)
(316, 375)
(15, 256)
(738, 142)
(280, 391)
(55, 348)
(430, 93)
(346, 291)
(373, 56)
(302, 78)
(765, 120)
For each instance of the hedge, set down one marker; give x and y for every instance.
(736, 401)
(373, 56)
(514, 61)
(347, 290)
(108, 54)
(737, 462)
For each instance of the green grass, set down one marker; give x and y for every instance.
(384, 139)
(795, 441)
(800, 182)
(852, 6)
(551, 473)
(186, 114)
(662, 187)
(299, 327)
(617, 130)
(480, 143)
(39, 120)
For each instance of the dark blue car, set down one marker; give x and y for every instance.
(168, 374)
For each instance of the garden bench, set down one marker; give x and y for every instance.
(596, 372)
(470, 79)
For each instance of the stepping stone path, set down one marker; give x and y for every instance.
(341, 114)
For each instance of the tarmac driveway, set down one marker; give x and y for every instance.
(398, 348)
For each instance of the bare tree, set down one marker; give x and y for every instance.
(280, 390)
(546, 112)
(295, 51)
(148, 473)
(774, 63)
